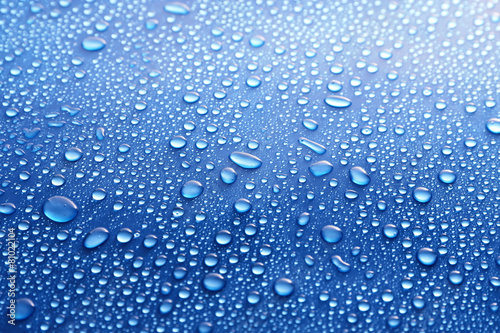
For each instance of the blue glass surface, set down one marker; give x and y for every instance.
(250, 166)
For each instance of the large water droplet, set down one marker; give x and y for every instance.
(191, 189)
(284, 287)
(427, 256)
(253, 81)
(214, 282)
(331, 234)
(321, 168)
(257, 41)
(93, 43)
(447, 176)
(60, 209)
(95, 238)
(422, 195)
(456, 277)
(73, 154)
(245, 160)
(390, 231)
(359, 176)
(338, 101)
(177, 8)
(178, 142)
(24, 308)
(242, 206)
(191, 97)
(228, 175)
(166, 306)
(493, 125)
(7, 208)
(125, 235)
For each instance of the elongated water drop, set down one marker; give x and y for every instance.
(314, 146)
(245, 160)
(177, 8)
(338, 101)
(341, 265)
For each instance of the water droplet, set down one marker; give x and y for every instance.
(493, 125)
(422, 195)
(455, 277)
(73, 154)
(257, 41)
(314, 146)
(93, 44)
(331, 234)
(228, 175)
(253, 81)
(427, 256)
(166, 306)
(125, 235)
(242, 206)
(310, 124)
(192, 189)
(390, 231)
(214, 282)
(99, 194)
(341, 265)
(177, 8)
(223, 237)
(359, 176)
(24, 308)
(178, 142)
(338, 101)
(284, 287)
(95, 238)
(191, 97)
(245, 160)
(321, 168)
(447, 176)
(60, 209)
(7, 208)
